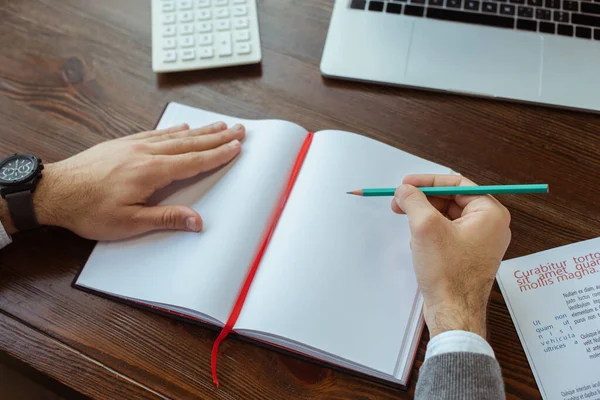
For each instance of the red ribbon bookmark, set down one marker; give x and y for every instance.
(239, 303)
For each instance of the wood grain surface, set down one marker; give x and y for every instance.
(77, 72)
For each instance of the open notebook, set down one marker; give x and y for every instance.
(336, 281)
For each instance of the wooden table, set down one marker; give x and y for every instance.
(77, 72)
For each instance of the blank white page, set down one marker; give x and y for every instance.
(204, 271)
(338, 275)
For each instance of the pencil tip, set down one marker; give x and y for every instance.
(356, 192)
(349, 193)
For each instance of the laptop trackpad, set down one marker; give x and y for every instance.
(473, 59)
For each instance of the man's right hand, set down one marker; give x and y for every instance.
(457, 245)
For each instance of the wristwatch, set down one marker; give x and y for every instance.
(19, 175)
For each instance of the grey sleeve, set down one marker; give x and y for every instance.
(460, 376)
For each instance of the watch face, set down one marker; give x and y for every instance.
(17, 168)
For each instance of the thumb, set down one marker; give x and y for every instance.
(422, 216)
(178, 218)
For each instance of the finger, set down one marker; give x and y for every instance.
(439, 203)
(178, 218)
(205, 130)
(185, 166)
(198, 143)
(147, 134)
(422, 216)
(430, 180)
(454, 211)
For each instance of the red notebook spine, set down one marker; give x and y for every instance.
(239, 303)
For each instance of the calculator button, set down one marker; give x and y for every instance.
(205, 39)
(187, 41)
(169, 44)
(188, 54)
(169, 56)
(224, 48)
(185, 4)
(186, 16)
(223, 25)
(167, 6)
(202, 3)
(206, 52)
(203, 14)
(239, 11)
(241, 36)
(240, 23)
(220, 2)
(168, 30)
(243, 48)
(168, 19)
(222, 13)
(204, 27)
(186, 29)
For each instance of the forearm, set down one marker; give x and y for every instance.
(458, 376)
(459, 365)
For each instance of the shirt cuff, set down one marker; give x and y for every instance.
(5, 239)
(458, 341)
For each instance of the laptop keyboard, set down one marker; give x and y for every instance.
(580, 19)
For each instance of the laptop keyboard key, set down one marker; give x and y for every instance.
(517, 1)
(472, 5)
(376, 6)
(454, 3)
(489, 7)
(583, 32)
(570, 5)
(415, 11)
(527, 25)
(553, 4)
(420, 2)
(583, 19)
(540, 13)
(526, 12)
(590, 8)
(560, 16)
(565, 30)
(394, 8)
(507, 9)
(437, 3)
(536, 3)
(597, 34)
(471, 18)
(547, 27)
(358, 4)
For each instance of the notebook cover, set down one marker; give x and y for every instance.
(267, 345)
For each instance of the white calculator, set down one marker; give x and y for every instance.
(199, 34)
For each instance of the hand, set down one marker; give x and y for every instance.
(457, 245)
(101, 193)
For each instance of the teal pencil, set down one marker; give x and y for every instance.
(460, 190)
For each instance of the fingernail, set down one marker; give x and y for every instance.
(236, 128)
(219, 125)
(191, 225)
(234, 143)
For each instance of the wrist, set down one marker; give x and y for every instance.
(43, 202)
(45, 199)
(456, 317)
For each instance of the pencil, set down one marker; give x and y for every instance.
(459, 190)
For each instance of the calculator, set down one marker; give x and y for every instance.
(199, 34)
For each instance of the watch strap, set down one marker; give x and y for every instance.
(20, 206)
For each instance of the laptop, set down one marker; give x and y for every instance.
(539, 51)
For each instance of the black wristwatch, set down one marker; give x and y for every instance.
(19, 175)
